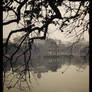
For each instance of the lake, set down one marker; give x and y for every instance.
(62, 74)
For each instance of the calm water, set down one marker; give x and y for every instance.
(58, 75)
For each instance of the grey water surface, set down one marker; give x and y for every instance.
(58, 74)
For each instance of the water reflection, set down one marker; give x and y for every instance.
(49, 66)
(49, 63)
(53, 64)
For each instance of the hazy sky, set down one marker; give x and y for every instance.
(57, 34)
(52, 33)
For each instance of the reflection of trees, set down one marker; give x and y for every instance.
(49, 63)
(39, 65)
(44, 66)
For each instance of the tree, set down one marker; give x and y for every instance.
(33, 17)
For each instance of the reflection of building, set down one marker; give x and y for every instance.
(48, 55)
(53, 64)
